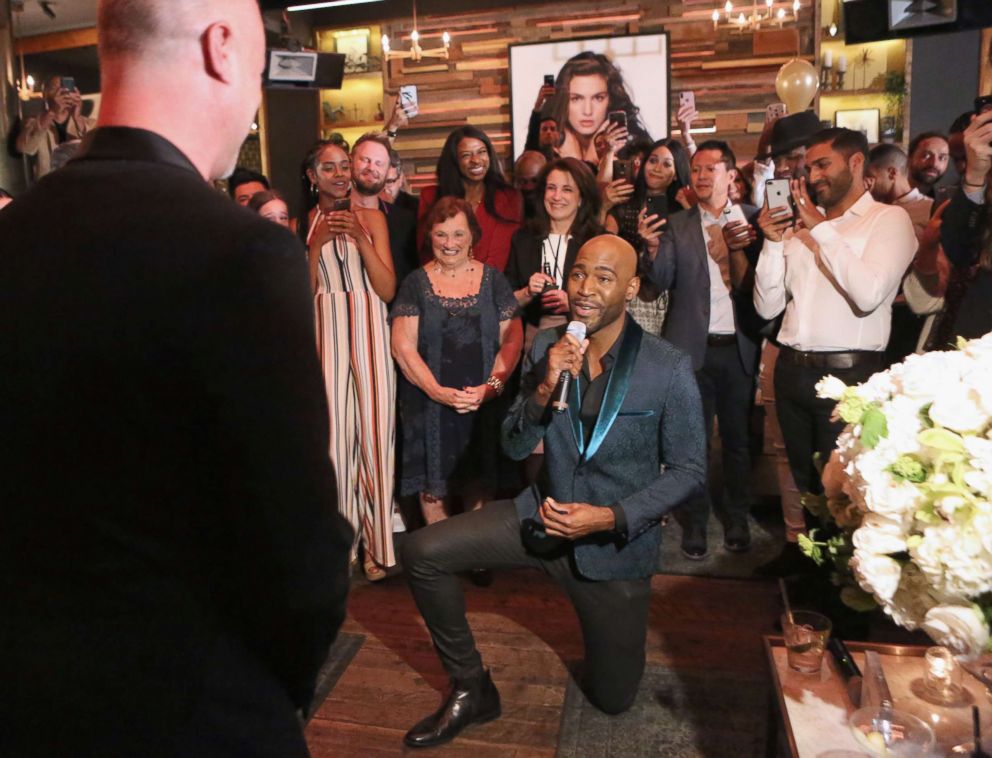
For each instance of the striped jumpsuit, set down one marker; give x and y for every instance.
(354, 350)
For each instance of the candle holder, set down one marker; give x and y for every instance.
(840, 79)
(825, 78)
(941, 683)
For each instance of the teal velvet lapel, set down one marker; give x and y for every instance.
(574, 411)
(616, 388)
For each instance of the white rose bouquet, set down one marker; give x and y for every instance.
(908, 490)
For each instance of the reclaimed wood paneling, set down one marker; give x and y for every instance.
(731, 72)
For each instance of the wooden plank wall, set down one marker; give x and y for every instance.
(731, 73)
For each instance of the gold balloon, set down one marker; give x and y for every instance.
(796, 84)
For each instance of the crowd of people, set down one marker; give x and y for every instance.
(702, 282)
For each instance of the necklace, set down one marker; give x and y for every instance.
(439, 269)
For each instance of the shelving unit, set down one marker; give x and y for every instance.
(360, 105)
(864, 82)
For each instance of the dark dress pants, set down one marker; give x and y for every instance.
(727, 392)
(805, 419)
(613, 614)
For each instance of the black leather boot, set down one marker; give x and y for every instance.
(474, 701)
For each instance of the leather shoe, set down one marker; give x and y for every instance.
(694, 544)
(481, 577)
(737, 537)
(474, 701)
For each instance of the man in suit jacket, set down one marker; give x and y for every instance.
(172, 566)
(629, 449)
(706, 261)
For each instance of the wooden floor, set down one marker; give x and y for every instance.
(527, 633)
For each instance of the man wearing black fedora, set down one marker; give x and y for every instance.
(783, 154)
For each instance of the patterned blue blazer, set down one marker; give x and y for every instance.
(647, 452)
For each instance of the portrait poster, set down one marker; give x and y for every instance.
(593, 77)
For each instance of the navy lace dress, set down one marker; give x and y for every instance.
(445, 452)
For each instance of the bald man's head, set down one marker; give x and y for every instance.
(602, 281)
(526, 170)
(189, 70)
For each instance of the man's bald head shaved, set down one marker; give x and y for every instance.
(619, 249)
(527, 168)
(602, 281)
(188, 70)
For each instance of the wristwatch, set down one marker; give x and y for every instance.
(391, 133)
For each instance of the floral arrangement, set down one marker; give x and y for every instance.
(908, 492)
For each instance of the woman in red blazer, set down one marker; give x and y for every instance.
(468, 169)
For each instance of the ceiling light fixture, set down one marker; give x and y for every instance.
(329, 4)
(416, 52)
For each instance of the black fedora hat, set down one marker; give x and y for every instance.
(790, 132)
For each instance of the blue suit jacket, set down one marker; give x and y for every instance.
(682, 268)
(650, 417)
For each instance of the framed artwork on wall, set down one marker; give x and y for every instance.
(864, 120)
(593, 77)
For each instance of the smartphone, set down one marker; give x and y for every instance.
(549, 80)
(342, 204)
(778, 195)
(617, 117)
(687, 98)
(68, 83)
(983, 103)
(734, 213)
(623, 169)
(774, 112)
(656, 205)
(408, 100)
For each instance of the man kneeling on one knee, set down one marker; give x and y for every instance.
(629, 448)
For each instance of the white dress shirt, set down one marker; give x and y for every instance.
(841, 298)
(721, 307)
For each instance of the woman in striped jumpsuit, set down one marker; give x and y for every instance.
(353, 279)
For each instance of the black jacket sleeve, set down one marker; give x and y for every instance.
(962, 228)
(533, 132)
(281, 543)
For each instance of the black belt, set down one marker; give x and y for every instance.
(833, 359)
(721, 340)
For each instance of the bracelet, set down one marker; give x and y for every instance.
(391, 133)
(966, 183)
(497, 384)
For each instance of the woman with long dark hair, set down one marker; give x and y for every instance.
(665, 172)
(589, 86)
(566, 215)
(469, 169)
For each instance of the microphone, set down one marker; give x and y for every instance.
(559, 400)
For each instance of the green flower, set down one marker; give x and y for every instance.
(908, 469)
(873, 426)
(851, 406)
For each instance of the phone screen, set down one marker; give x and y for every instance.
(342, 204)
(68, 83)
(408, 99)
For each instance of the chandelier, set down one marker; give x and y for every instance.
(416, 52)
(753, 20)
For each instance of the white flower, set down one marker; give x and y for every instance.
(957, 408)
(830, 388)
(958, 627)
(878, 388)
(879, 536)
(877, 574)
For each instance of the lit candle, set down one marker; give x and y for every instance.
(842, 64)
(446, 39)
(828, 59)
(741, 20)
(385, 43)
(716, 18)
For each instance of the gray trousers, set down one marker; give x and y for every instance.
(613, 614)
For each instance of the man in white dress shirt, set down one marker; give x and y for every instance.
(835, 276)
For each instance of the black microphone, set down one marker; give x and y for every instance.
(559, 400)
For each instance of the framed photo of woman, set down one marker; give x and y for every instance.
(593, 78)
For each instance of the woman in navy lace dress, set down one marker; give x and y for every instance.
(457, 339)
